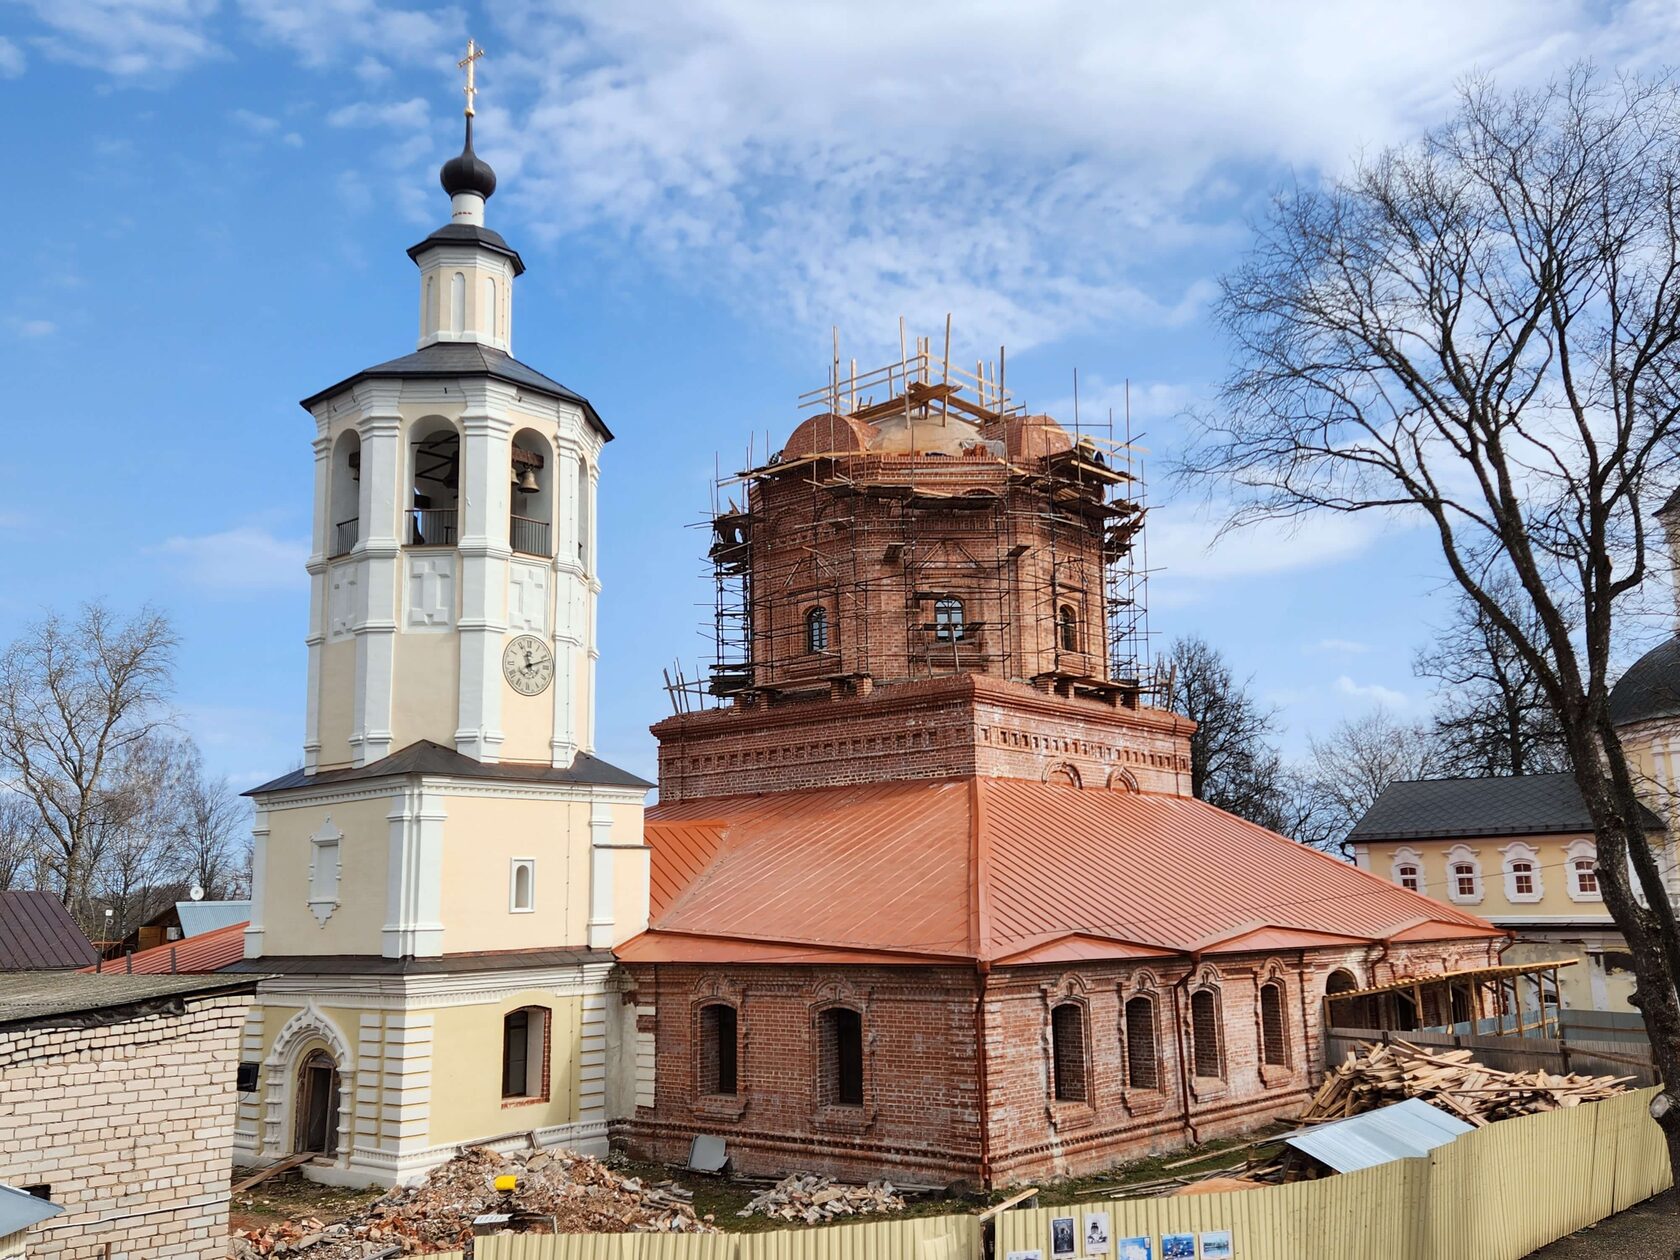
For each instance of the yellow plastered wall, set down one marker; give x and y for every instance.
(1576, 983)
(1551, 855)
(337, 701)
(527, 724)
(354, 927)
(425, 693)
(466, 1097)
(275, 1016)
(482, 837)
(630, 873)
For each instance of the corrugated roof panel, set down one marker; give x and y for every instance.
(37, 933)
(193, 955)
(1402, 1130)
(198, 917)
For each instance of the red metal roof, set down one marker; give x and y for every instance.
(38, 934)
(208, 951)
(1003, 870)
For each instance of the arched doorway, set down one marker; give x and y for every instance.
(317, 1105)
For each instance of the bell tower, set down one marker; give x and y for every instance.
(453, 567)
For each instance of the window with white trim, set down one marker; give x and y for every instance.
(1408, 869)
(1522, 872)
(522, 885)
(1582, 868)
(1464, 875)
(324, 867)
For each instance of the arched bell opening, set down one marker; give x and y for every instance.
(433, 519)
(531, 502)
(344, 494)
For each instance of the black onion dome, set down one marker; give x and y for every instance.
(1651, 687)
(467, 172)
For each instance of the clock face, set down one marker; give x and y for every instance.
(528, 665)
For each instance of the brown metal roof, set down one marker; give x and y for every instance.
(208, 951)
(38, 934)
(1003, 870)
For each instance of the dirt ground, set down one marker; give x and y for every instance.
(289, 1196)
(1646, 1231)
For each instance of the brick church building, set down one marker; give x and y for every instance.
(930, 896)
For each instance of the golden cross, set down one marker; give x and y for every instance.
(474, 52)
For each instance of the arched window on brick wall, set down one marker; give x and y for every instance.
(1274, 1031)
(1067, 628)
(1143, 1069)
(719, 1049)
(947, 620)
(1209, 1052)
(816, 630)
(840, 1057)
(1067, 1052)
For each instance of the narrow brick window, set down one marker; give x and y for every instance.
(841, 1057)
(1204, 1034)
(718, 1029)
(816, 630)
(1067, 1051)
(1274, 1047)
(1067, 622)
(1142, 1069)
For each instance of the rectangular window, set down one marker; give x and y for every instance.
(842, 1057)
(1204, 1034)
(1523, 879)
(718, 1047)
(1067, 1046)
(1141, 1069)
(1586, 875)
(515, 1054)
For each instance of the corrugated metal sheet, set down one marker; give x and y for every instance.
(19, 1210)
(210, 951)
(198, 917)
(38, 934)
(1010, 871)
(1404, 1130)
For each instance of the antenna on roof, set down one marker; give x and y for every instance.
(196, 893)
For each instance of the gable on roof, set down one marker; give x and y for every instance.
(38, 934)
(1001, 870)
(1510, 805)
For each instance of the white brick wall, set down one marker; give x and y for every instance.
(131, 1124)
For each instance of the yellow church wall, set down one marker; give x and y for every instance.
(1552, 857)
(630, 873)
(466, 1098)
(354, 927)
(477, 873)
(527, 725)
(337, 701)
(426, 690)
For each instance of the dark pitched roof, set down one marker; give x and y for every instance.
(465, 358)
(38, 934)
(1512, 805)
(1650, 688)
(374, 965)
(425, 757)
(469, 234)
(30, 996)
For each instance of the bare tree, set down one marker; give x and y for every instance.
(1481, 328)
(75, 697)
(19, 841)
(213, 827)
(1493, 716)
(1231, 763)
(1346, 772)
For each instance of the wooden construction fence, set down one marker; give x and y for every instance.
(1494, 1194)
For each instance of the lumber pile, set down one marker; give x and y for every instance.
(555, 1192)
(812, 1199)
(1451, 1080)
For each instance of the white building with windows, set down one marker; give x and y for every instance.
(438, 889)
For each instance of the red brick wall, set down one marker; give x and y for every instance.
(920, 1121)
(939, 728)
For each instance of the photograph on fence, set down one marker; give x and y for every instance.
(1096, 1233)
(1063, 1240)
(1139, 1248)
(1216, 1244)
(1178, 1247)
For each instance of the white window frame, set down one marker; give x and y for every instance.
(514, 866)
(1576, 851)
(1408, 856)
(326, 865)
(1461, 853)
(1516, 852)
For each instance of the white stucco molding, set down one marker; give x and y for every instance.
(1511, 854)
(1463, 854)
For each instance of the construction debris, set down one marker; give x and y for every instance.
(1450, 1079)
(554, 1192)
(812, 1199)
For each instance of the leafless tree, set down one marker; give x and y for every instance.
(1231, 763)
(19, 841)
(213, 828)
(1348, 770)
(1492, 716)
(1481, 328)
(76, 697)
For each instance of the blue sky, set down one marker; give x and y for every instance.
(209, 203)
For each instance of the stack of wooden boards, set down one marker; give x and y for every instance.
(1451, 1080)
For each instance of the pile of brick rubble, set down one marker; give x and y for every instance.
(557, 1192)
(812, 1199)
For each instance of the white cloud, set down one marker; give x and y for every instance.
(256, 124)
(413, 114)
(322, 32)
(242, 559)
(371, 70)
(12, 61)
(34, 327)
(1342, 647)
(1184, 543)
(127, 39)
(1032, 177)
(1374, 692)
